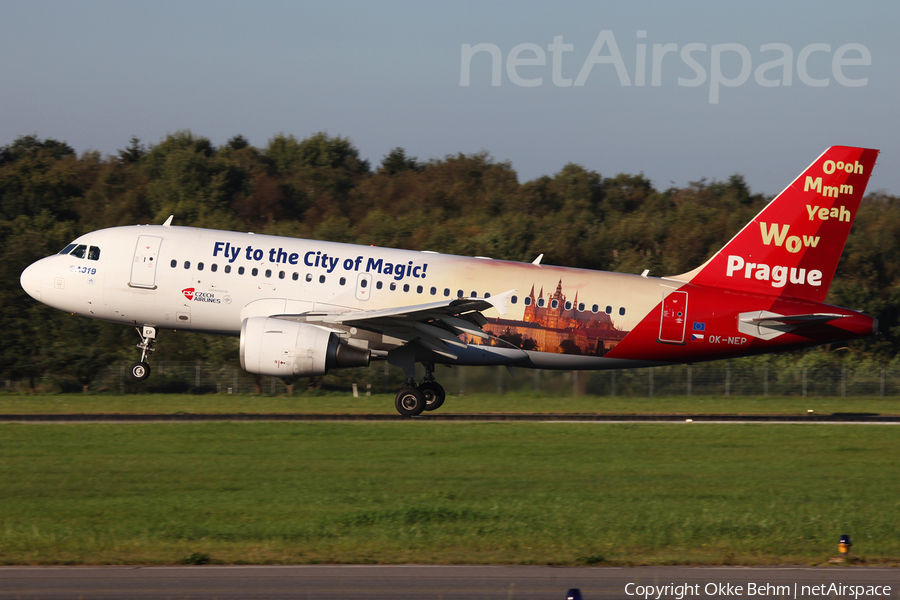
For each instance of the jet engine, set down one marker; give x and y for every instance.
(282, 348)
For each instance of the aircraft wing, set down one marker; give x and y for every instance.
(435, 325)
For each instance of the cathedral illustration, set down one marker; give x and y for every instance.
(554, 324)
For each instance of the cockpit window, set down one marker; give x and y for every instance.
(67, 249)
(79, 251)
(94, 253)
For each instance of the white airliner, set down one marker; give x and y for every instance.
(303, 307)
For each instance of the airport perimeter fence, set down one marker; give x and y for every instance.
(729, 378)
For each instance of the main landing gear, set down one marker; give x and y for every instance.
(141, 369)
(413, 399)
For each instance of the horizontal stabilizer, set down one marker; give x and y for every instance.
(767, 325)
(794, 319)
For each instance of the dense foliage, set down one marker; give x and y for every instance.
(320, 188)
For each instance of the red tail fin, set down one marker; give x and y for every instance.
(793, 246)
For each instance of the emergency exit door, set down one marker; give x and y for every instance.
(146, 255)
(674, 318)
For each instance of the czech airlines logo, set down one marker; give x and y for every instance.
(188, 293)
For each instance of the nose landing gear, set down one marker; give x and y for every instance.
(141, 369)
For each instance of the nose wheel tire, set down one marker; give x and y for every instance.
(140, 371)
(409, 402)
(434, 394)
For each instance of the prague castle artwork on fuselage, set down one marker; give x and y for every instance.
(557, 325)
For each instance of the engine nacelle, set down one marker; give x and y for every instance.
(282, 348)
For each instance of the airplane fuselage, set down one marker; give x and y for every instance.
(211, 281)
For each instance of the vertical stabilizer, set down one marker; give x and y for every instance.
(793, 245)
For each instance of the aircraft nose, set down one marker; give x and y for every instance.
(32, 282)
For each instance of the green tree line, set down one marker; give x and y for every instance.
(320, 188)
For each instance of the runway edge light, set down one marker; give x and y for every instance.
(844, 544)
(573, 594)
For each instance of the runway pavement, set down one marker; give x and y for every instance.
(400, 582)
(449, 417)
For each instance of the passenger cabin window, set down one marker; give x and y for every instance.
(419, 289)
(609, 310)
(94, 253)
(254, 271)
(554, 303)
(295, 276)
(541, 302)
(268, 273)
(187, 264)
(595, 308)
(79, 251)
(199, 266)
(447, 292)
(281, 275)
(514, 299)
(622, 310)
(459, 293)
(228, 268)
(528, 301)
(309, 277)
(405, 287)
(342, 280)
(213, 267)
(321, 279)
(393, 287)
(363, 283)
(378, 285)
(174, 263)
(581, 306)
(240, 270)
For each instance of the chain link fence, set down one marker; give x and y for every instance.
(729, 378)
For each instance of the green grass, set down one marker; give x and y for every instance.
(519, 402)
(419, 492)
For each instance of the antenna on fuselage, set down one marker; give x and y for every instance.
(537, 261)
(168, 222)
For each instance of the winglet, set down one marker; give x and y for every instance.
(499, 301)
(168, 222)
